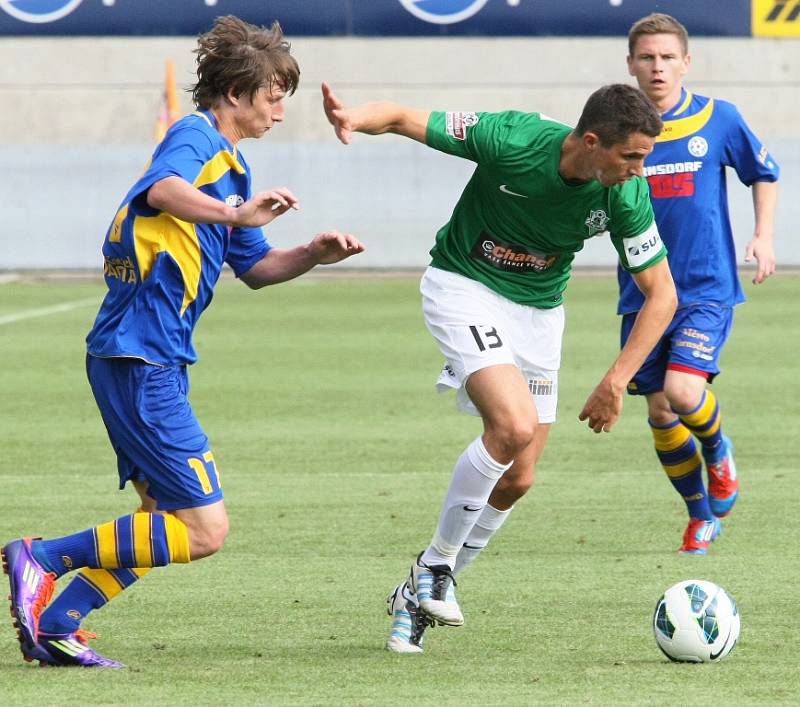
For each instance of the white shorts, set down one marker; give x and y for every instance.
(476, 328)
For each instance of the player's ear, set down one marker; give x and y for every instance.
(232, 97)
(687, 60)
(629, 60)
(590, 141)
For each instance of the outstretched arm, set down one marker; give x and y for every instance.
(765, 201)
(179, 198)
(604, 405)
(373, 118)
(282, 264)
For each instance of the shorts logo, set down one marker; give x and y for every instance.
(540, 386)
(698, 147)
(456, 124)
(508, 257)
(596, 222)
(39, 11)
(443, 12)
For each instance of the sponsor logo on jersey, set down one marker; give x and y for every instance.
(639, 249)
(457, 123)
(508, 257)
(597, 222)
(698, 147)
(443, 12)
(122, 269)
(776, 18)
(39, 11)
(672, 179)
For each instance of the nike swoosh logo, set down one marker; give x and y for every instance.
(506, 190)
(468, 508)
(716, 655)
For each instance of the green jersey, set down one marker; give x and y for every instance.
(518, 223)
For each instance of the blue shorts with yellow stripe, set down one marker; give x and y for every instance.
(692, 343)
(154, 432)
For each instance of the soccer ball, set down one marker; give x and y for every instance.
(696, 621)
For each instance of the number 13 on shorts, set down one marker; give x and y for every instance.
(206, 470)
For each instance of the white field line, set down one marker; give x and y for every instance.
(46, 311)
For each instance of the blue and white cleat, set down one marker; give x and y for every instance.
(408, 622)
(699, 534)
(31, 589)
(723, 483)
(430, 585)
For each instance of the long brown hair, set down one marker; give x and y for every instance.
(237, 56)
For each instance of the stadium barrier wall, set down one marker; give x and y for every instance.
(78, 120)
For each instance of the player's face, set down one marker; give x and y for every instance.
(659, 65)
(257, 115)
(621, 161)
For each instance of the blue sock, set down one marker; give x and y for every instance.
(62, 555)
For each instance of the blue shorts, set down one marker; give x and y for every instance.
(154, 432)
(692, 343)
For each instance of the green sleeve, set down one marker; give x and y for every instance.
(473, 136)
(633, 226)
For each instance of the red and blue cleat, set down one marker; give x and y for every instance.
(723, 483)
(699, 535)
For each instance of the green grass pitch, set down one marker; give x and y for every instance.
(335, 452)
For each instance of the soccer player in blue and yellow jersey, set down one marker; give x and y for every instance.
(493, 299)
(686, 172)
(190, 212)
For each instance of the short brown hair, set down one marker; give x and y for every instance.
(616, 111)
(658, 23)
(237, 56)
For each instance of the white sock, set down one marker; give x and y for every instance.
(473, 479)
(487, 525)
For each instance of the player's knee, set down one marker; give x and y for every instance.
(207, 540)
(510, 490)
(508, 440)
(683, 400)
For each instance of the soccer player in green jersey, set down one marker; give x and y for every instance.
(492, 298)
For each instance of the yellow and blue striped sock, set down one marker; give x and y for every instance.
(705, 423)
(677, 452)
(91, 589)
(137, 540)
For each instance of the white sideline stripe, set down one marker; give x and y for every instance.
(45, 311)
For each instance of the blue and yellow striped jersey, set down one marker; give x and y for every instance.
(686, 173)
(161, 271)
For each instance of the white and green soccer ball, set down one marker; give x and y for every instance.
(696, 621)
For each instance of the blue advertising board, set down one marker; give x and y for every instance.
(369, 17)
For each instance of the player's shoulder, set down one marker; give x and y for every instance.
(195, 127)
(720, 108)
(531, 129)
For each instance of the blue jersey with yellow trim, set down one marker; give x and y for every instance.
(686, 174)
(161, 271)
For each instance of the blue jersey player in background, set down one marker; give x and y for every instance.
(190, 212)
(686, 172)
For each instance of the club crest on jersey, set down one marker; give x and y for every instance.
(457, 123)
(698, 147)
(234, 200)
(597, 222)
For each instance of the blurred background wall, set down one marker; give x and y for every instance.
(77, 117)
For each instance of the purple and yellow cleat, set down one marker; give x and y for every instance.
(67, 649)
(31, 589)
